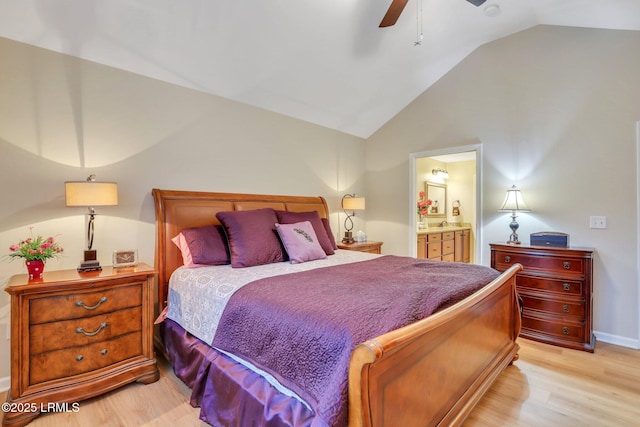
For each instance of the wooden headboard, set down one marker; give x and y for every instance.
(177, 210)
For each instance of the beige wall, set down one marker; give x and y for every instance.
(555, 109)
(63, 119)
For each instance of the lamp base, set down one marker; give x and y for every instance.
(348, 237)
(90, 262)
(89, 266)
(513, 238)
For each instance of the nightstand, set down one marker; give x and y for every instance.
(371, 247)
(78, 335)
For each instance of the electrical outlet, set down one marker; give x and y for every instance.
(598, 222)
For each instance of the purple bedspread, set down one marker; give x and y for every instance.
(303, 327)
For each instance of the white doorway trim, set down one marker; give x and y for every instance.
(638, 224)
(413, 157)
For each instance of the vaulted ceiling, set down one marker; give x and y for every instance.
(326, 62)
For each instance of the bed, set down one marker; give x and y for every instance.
(430, 372)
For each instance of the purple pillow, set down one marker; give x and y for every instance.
(286, 217)
(203, 246)
(300, 241)
(327, 228)
(252, 237)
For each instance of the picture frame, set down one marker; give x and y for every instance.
(125, 258)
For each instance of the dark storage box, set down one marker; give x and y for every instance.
(550, 238)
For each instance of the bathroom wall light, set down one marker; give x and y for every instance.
(440, 173)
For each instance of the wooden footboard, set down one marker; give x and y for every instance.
(433, 372)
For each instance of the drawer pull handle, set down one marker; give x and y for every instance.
(565, 330)
(566, 287)
(565, 308)
(103, 351)
(90, 334)
(93, 307)
(566, 265)
(79, 358)
(507, 259)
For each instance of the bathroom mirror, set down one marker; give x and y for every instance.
(437, 193)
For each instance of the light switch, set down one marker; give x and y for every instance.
(598, 222)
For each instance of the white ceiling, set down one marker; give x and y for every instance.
(323, 61)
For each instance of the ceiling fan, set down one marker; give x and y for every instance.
(394, 11)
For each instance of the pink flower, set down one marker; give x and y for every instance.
(35, 248)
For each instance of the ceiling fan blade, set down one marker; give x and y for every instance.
(393, 13)
(476, 2)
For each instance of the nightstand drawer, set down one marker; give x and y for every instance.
(553, 306)
(369, 247)
(83, 331)
(73, 361)
(560, 265)
(560, 287)
(83, 304)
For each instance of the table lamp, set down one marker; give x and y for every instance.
(91, 193)
(513, 202)
(350, 203)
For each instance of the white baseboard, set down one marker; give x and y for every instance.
(5, 382)
(617, 340)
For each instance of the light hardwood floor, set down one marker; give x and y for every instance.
(547, 386)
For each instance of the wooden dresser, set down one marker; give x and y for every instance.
(77, 335)
(556, 290)
(371, 247)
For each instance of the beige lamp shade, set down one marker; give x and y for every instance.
(91, 193)
(353, 203)
(513, 201)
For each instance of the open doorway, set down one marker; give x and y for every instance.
(461, 206)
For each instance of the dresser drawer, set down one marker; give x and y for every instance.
(563, 330)
(78, 360)
(554, 306)
(83, 304)
(561, 287)
(83, 331)
(547, 264)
